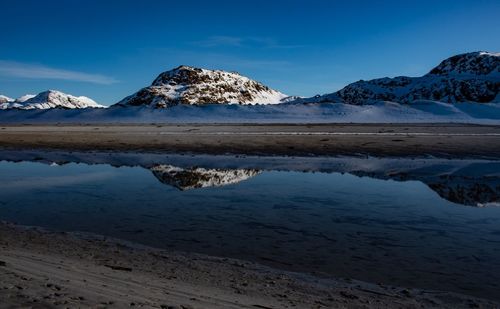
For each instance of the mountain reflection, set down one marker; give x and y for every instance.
(195, 177)
(465, 182)
(453, 186)
(460, 186)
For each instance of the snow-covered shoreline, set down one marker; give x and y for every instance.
(378, 112)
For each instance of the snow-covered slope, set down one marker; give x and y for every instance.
(194, 177)
(380, 112)
(5, 99)
(51, 99)
(188, 85)
(471, 77)
(25, 97)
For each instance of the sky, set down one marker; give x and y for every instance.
(107, 50)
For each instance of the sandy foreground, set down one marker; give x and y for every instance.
(455, 140)
(40, 269)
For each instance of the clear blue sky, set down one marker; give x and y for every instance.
(109, 49)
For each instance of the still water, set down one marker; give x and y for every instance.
(419, 223)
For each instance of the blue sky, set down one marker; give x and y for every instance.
(109, 49)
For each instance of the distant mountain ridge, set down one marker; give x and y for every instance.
(470, 77)
(50, 99)
(189, 85)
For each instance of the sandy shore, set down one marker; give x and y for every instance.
(41, 269)
(445, 140)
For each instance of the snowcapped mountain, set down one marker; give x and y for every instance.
(5, 99)
(192, 178)
(51, 99)
(471, 77)
(24, 98)
(188, 85)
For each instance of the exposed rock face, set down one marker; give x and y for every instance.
(476, 63)
(51, 99)
(188, 85)
(192, 178)
(471, 77)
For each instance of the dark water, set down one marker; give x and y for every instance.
(409, 223)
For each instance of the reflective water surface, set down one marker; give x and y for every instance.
(423, 223)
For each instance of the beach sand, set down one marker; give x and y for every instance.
(41, 269)
(444, 140)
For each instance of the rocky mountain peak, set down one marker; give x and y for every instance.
(471, 77)
(187, 75)
(475, 63)
(190, 85)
